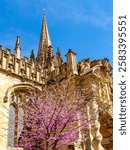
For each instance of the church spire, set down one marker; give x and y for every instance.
(17, 48)
(44, 42)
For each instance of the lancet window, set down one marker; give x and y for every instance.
(16, 114)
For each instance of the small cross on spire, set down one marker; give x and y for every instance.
(44, 12)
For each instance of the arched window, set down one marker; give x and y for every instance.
(16, 114)
(11, 126)
(17, 96)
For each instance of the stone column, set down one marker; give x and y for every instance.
(95, 135)
(78, 145)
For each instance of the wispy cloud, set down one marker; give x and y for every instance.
(85, 11)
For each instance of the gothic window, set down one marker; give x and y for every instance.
(16, 113)
(11, 126)
(20, 121)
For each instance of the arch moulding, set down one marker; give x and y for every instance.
(19, 87)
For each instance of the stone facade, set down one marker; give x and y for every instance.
(22, 74)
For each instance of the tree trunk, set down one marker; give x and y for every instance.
(55, 144)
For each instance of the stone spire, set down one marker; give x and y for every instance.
(17, 48)
(44, 43)
(32, 56)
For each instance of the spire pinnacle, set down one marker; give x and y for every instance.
(58, 52)
(17, 48)
(44, 33)
(32, 56)
(58, 56)
(44, 42)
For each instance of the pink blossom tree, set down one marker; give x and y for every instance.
(53, 118)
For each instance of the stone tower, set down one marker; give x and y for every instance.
(71, 63)
(18, 75)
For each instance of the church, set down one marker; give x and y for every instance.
(22, 74)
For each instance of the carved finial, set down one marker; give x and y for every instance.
(58, 56)
(17, 48)
(58, 51)
(32, 56)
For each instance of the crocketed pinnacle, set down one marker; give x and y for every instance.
(32, 56)
(17, 48)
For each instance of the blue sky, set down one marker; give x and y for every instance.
(83, 25)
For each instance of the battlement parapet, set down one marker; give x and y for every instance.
(21, 67)
(32, 70)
